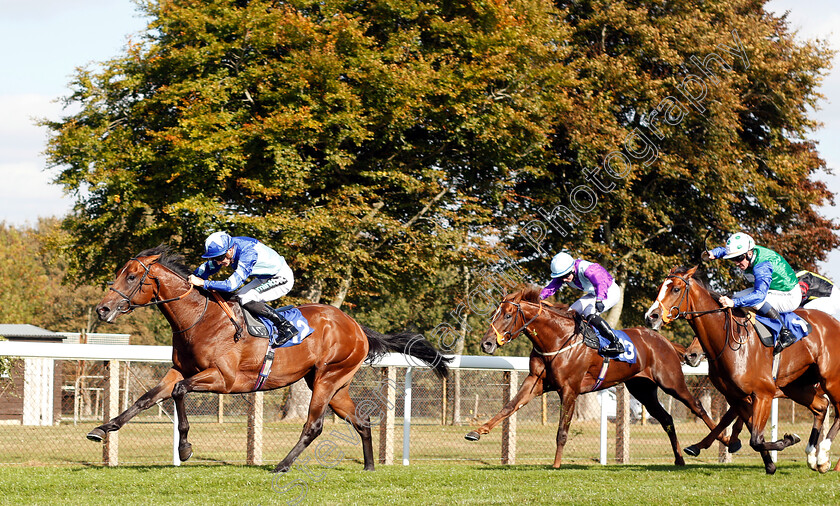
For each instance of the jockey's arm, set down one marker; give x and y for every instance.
(551, 288)
(763, 273)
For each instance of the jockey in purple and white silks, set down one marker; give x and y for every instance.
(601, 293)
(248, 257)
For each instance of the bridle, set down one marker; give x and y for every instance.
(674, 312)
(507, 336)
(126, 306)
(732, 341)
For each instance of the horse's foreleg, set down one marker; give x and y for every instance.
(531, 387)
(344, 407)
(161, 391)
(208, 380)
(568, 398)
(760, 414)
(677, 389)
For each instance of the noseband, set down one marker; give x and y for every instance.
(507, 336)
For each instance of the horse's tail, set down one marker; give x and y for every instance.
(414, 345)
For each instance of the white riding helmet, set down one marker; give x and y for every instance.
(561, 264)
(738, 244)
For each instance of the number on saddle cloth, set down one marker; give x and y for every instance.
(592, 338)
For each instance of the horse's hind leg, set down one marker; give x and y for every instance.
(644, 391)
(818, 405)
(672, 382)
(344, 407)
(161, 391)
(325, 386)
(727, 418)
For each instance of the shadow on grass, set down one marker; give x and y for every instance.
(621, 468)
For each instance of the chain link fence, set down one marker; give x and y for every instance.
(48, 406)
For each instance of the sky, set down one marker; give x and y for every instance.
(44, 42)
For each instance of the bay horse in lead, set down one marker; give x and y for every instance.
(207, 358)
(561, 362)
(740, 366)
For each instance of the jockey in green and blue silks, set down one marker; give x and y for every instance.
(775, 288)
(248, 257)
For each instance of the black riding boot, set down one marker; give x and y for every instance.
(285, 329)
(785, 336)
(615, 348)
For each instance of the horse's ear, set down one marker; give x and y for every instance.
(690, 272)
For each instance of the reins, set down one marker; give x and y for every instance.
(729, 325)
(507, 336)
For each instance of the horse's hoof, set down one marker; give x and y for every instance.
(472, 436)
(734, 446)
(824, 467)
(96, 434)
(770, 468)
(185, 452)
(679, 461)
(692, 451)
(792, 438)
(280, 468)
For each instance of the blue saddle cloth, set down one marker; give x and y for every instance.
(629, 354)
(797, 326)
(297, 319)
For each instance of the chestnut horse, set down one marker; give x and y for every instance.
(560, 362)
(206, 357)
(740, 366)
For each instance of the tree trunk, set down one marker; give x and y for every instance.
(614, 314)
(459, 350)
(297, 405)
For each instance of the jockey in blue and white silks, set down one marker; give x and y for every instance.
(775, 289)
(248, 257)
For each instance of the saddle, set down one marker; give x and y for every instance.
(255, 325)
(766, 334)
(590, 338)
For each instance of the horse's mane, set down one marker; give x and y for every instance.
(531, 293)
(168, 258)
(700, 277)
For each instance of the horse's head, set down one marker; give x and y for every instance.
(131, 288)
(673, 298)
(694, 353)
(510, 319)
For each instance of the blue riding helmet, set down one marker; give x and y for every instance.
(217, 244)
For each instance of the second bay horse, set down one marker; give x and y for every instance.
(561, 362)
(740, 366)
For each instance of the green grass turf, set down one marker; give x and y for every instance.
(420, 484)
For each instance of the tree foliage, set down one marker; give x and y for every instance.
(384, 146)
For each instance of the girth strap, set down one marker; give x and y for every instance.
(602, 374)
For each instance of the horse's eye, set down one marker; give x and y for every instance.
(676, 289)
(132, 277)
(507, 316)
